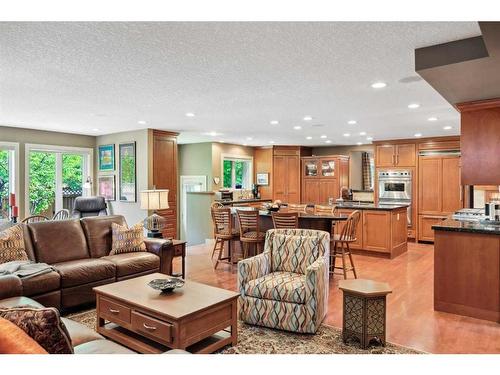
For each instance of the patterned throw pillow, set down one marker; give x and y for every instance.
(43, 325)
(12, 244)
(127, 240)
(294, 253)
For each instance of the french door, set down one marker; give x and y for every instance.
(56, 176)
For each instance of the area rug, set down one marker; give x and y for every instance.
(260, 340)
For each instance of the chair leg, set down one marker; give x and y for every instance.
(221, 250)
(333, 258)
(215, 248)
(245, 249)
(230, 251)
(352, 262)
(343, 261)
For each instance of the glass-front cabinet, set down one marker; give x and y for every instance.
(310, 167)
(327, 168)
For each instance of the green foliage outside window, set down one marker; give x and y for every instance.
(239, 169)
(228, 170)
(4, 183)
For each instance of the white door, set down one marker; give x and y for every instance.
(189, 183)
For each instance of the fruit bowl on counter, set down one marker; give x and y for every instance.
(272, 207)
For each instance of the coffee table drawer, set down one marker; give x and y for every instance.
(113, 311)
(157, 329)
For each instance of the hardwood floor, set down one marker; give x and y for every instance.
(411, 319)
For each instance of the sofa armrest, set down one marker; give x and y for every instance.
(10, 286)
(317, 284)
(164, 249)
(253, 268)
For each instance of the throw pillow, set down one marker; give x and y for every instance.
(127, 240)
(12, 244)
(43, 325)
(13, 340)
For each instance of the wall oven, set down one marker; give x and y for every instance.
(395, 187)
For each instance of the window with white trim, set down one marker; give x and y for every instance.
(237, 172)
(8, 175)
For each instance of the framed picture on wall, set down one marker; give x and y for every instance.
(106, 158)
(262, 178)
(128, 183)
(106, 186)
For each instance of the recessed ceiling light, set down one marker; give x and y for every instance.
(309, 137)
(95, 130)
(297, 127)
(328, 141)
(221, 141)
(244, 144)
(359, 143)
(323, 136)
(448, 127)
(213, 134)
(362, 133)
(190, 114)
(379, 85)
(274, 122)
(352, 122)
(141, 122)
(307, 118)
(271, 142)
(347, 135)
(369, 138)
(432, 119)
(413, 105)
(249, 138)
(418, 135)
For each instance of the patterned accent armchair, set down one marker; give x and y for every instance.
(286, 287)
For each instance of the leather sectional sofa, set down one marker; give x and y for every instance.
(79, 249)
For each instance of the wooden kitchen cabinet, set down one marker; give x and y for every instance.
(395, 155)
(425, 223)
(163, 161)
(287, 173)
(328, 189)
(376, 230)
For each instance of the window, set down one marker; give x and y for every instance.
(55, 177)
(8, 178)
(237, 172)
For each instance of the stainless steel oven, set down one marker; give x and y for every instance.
(395, 187)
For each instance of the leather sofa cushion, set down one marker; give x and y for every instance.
(102, 347)
(84, 271)
(58, 241)
(10, 285)
(19, 301)
(98, 233)
(79, 333)
(131, 263)
(40, 284)
(28, 245)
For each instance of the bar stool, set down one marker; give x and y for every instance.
(285, 220)
(249, 230)
(327, 210)
(341, 245)
(213, 206)
(223, 232)
(297, 207)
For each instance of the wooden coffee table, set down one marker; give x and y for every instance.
(197, 317)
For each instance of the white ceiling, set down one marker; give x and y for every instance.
(235, 77)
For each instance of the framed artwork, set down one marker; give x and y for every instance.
(127, 172)
(106, 186)
(262, 178)
(106, 158)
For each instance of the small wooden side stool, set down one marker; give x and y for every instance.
(364, 310)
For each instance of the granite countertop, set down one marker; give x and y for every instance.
(236, 201)
(308, 214)
(453, 225)
(370, 206)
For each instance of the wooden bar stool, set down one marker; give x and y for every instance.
(223, 232)
(249, 230)
(341, 245)
(285, 220)
(213, 206)
(327, 210)
(297, 207)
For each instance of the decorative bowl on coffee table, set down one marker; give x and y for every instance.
(166, 285)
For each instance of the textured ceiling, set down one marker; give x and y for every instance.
(235, 77)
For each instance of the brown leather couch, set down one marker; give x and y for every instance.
(79, 251)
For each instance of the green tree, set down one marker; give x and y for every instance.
(4, 183)
(72, 174)
(42, 181)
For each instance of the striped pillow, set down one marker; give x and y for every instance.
(12, 244)
(127, 240)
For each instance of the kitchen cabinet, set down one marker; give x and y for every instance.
(287, 173)
(322, 178)
(395, 155)
(163, 162)
(440, 192)
(376, 230)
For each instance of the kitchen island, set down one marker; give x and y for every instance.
(467, 268)
(381, 231)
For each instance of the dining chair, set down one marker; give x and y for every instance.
(341, 247)
(35, 219)
(61, 215)
(285, 220)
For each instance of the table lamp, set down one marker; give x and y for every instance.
(156, 199)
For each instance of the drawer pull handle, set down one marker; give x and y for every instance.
(151, 328)
(114, 311)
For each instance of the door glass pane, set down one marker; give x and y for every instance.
(311, 168)
(42, 173)
(238, 173)
(4, 184)
(72, 179)
(228, 171)
(328, 168)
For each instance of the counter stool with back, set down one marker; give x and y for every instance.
(285, 220)
(341, 245)
(250, 233)
(223, 232)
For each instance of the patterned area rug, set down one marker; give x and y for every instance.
(260, 340)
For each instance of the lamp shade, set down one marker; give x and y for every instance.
(154, 199)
